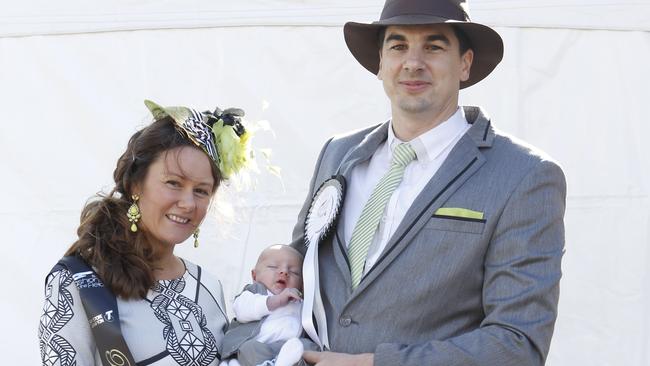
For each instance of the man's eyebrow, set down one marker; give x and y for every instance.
(395, 37)
(430, 38)
(438, 37)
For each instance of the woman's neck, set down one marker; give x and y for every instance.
(168, 267)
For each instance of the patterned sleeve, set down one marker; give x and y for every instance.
(64, 335)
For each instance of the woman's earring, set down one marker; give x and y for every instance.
(133, 213)
(196, 237)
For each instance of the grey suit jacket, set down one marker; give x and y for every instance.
(451, 290)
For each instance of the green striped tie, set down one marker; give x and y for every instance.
(367, 224)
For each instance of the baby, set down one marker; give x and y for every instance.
(267, 324)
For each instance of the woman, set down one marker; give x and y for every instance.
(139, 302)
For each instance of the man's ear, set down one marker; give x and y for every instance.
(253, 274)
(466, 64)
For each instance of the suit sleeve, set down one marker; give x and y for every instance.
(520, 288)
(298, 237)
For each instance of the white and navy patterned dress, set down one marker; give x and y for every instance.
(181, 322)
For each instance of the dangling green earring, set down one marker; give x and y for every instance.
(196, 237)
(133, 213)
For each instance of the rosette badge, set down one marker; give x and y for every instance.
(324, 209)
(220, 134)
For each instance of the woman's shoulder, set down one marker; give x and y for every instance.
(205, 279)
(199, 272)
(63, 331)
(58, 272)
(59, 281)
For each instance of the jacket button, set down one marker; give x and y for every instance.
(345, 321)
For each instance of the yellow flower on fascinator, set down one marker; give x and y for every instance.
(234, 149)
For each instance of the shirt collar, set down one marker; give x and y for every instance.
(430, 144)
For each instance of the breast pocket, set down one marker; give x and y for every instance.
(456, 224)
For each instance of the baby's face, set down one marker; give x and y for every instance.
(279, 268)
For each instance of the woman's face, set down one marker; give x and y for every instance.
(175, 195)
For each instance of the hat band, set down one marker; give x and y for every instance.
(414, 20)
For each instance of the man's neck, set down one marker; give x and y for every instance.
(408, 126)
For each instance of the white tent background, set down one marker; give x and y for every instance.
(73, 74)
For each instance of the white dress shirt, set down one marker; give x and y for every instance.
(431, 148)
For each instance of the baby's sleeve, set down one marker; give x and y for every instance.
(250, 307)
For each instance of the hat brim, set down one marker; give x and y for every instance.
(362, 41)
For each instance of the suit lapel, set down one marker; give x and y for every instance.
(364, 150)
(357, 155)
(464, 159)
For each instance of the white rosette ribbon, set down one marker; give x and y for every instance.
(322, 216)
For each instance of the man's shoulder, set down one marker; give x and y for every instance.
(503, 151)
(354, 136)
(519, 149)
(512, 159)
(338, 146)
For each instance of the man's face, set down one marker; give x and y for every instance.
(421, 68)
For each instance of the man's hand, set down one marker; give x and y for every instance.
(283, 298)
(337, 359)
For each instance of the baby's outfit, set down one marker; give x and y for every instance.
(256, 336)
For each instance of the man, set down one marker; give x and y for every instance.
(447, 250)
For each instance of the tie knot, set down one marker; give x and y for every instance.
(403, 154)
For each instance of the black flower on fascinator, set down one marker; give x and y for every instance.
(230, 117)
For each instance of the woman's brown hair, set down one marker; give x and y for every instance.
(124, 259)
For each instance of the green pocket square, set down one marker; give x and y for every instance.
(459, 212)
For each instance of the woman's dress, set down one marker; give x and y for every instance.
(181, 322)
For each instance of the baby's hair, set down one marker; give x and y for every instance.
(279, 247)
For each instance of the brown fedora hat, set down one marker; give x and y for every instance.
(362, 39)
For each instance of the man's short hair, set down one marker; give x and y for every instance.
(463, 41)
